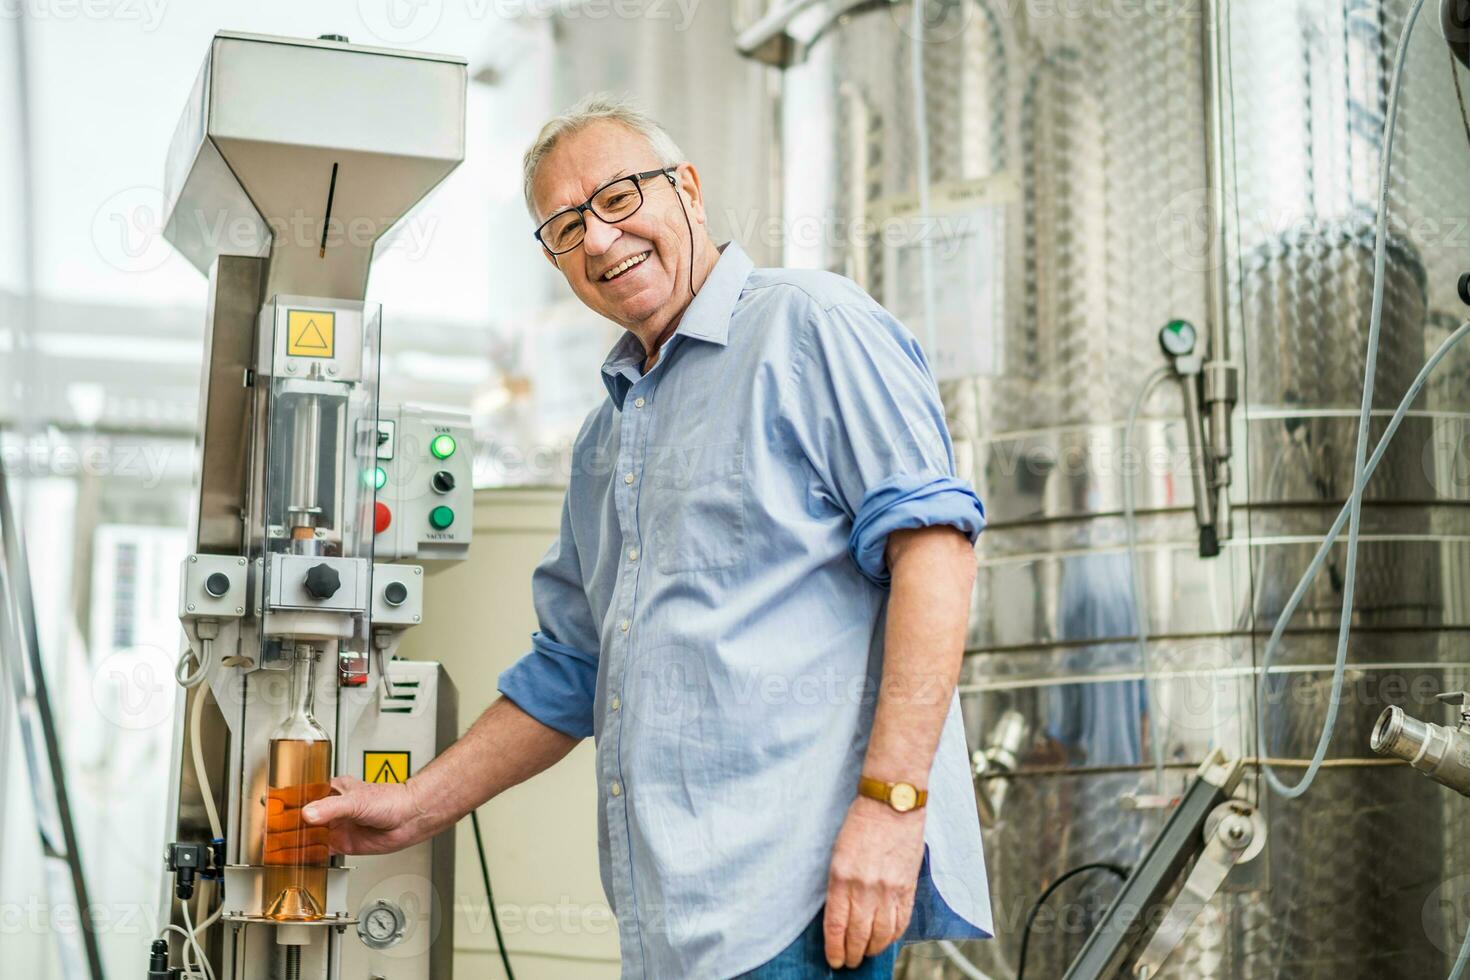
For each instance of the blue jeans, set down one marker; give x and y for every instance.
(806, 959)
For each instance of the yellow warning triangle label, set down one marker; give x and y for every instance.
(312, 337)
(385, 767)
(310, 333)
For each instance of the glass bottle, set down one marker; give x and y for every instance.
(296, 856)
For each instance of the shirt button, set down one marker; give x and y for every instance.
(639, 402)
(616, 789)
(628, 479)
(617, 702)
(624, 625)
(632, 554)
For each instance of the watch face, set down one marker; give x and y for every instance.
(902, 797)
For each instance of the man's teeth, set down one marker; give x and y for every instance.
(623, 266)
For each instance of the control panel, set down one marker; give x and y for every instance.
(424, 481)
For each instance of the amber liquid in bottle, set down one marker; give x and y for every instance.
(296, 856)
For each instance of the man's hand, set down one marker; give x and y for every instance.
(368, 818)
(870, 887)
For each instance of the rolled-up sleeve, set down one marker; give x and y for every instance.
(556, 681)
(867, 415)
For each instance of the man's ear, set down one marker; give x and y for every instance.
(688, 178)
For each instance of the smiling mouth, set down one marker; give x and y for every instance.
(624, 266)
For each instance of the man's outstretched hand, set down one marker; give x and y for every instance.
(369, 818)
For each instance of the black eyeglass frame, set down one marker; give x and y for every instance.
(586, 206)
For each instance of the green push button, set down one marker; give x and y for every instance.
(377, 478)
(443, 446)
(441, 517)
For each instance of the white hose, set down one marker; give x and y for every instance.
(953, 954)
(1360, 470)
(1140, 611)
(1462, 959)
(196, 750)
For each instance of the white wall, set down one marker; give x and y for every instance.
(541, 837)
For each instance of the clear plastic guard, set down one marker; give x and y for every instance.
(321, 359)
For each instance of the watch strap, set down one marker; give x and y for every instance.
(876, 789)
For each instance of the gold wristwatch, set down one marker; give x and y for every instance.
(903, 797)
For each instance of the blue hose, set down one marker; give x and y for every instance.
(1360, 469)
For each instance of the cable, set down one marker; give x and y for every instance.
(1140, 612)
(196, 751)
(1360, 472)
(181, 668)
(490, 896)
(192, 934)
(1118, 870)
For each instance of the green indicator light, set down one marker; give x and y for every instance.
(441, 517)
(380, 477)
(443, 446)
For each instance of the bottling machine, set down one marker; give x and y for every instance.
(292, 162)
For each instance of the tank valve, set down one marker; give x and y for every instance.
(1438, 751)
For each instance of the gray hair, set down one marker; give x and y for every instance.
(590, 109)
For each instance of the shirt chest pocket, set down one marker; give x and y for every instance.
(698, 507)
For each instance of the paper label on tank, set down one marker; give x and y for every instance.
(310, 333)
(385, 767)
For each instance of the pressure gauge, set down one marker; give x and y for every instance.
(381, 925)
(1178, 338)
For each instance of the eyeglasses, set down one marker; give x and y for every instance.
(613, 202)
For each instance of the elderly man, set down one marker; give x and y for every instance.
(756, 605)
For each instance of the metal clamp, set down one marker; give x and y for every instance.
(1234, 834)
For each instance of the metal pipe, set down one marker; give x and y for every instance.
(1438, 751)
(1199, 465)
(1219, 393)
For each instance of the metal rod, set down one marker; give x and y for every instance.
(306, 435)
(19, 635)
(1218, 394)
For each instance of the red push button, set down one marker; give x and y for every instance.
(382, 517)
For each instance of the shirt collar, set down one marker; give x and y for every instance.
(707, 318)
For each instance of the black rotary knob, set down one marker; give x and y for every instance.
(395, 593)
(217, 584)
(322, 581)
(443, 481)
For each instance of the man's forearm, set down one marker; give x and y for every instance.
(504, 746)
(933, 571)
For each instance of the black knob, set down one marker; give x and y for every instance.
(443, 481)
(395, 593)
(322, 581)
(1463, 288)
(217, 584)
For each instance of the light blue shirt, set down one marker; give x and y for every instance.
(713, 615)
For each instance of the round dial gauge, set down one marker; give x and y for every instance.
(381, 925)
(1178, 338)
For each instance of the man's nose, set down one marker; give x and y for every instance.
(600, 235)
